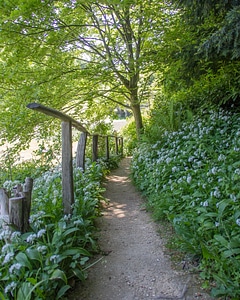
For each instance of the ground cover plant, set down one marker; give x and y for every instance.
(42, 263)
(192, 178)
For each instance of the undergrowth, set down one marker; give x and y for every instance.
(41, 263)
(191, 177)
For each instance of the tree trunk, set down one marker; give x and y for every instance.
(138, 119)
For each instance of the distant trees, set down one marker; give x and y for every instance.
(205, 58)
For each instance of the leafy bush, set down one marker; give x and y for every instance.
(40, 264)
(192, 178)
(130, 136)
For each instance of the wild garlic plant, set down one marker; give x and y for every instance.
(192, 178)
(40, 263)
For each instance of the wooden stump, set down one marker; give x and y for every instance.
(16, 212)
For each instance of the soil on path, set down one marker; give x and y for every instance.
(136, 266)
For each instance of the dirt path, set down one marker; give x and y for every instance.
(135, 267)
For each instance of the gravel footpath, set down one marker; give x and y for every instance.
(134, 264)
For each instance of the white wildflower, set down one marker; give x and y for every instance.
(8, 257)
(41, 232)
(15, 267)
(31, 238)
(189, 179)
(10, 287)
(55, 258)
(42, 249)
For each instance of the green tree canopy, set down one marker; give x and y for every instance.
(85, 58)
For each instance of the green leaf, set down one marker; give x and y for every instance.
(2, 296)
(206, 252)
(23, 260)
(24, 290)
(222, 207)
(74, 251)
(80, 274)
(32, 280)
(59, 274)
(34, 254)
(69, 231)
(221, 240)
(231, 252)
(62, 291)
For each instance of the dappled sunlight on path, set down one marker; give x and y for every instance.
(133, 264)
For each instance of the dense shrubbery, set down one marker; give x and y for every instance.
(39, 264)
(192, 178)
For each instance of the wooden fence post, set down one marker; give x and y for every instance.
(4, 203)
(67, 168)
(16, 212)
(121, 145)
(20, 206)
(116, 145)
(27, 193)
(81, 148)
(95, 147)
(107, 147)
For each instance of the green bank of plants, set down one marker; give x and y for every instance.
(191, 177)
(42, 263)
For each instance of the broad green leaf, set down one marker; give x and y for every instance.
(74, 251)
(231, 252)
(23, 260)
(69, 231)
(62, 291)
(222, 207)
(59, 274)
(24, 290)
(221, 240)
(80, 274)
(34, 254)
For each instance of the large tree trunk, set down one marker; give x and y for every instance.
(138, 119)
(135, 105)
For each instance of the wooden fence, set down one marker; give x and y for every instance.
(17, 209)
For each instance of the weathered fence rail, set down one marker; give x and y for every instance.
(16, 210)
(67, 158)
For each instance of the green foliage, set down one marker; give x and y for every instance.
(40, 264)
(130, 137)
(44, 158)
(61, 54)
(165, 115)
(191, 177)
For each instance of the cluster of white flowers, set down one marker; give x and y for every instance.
(41, 232)
(42, 249)
(8, 257)
(14, 268)
(10, 287)
(186, 156)
(55, 258)
(31, 238)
